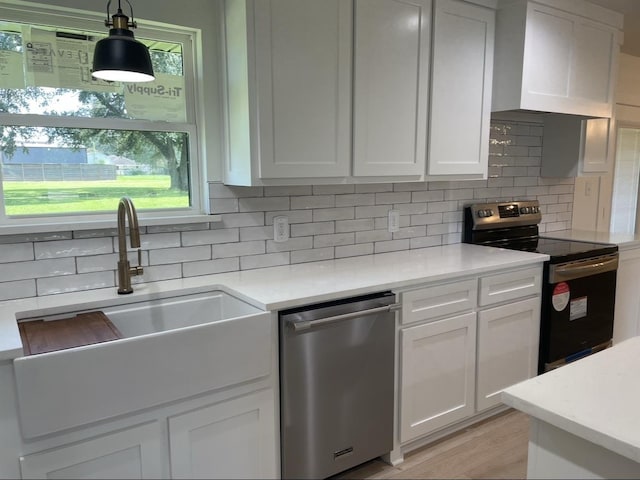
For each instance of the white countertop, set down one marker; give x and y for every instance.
(596, 398)
(623, 240)
(276, 288)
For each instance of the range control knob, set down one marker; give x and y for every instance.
(535, 209)
(525, 210)
(485, 213)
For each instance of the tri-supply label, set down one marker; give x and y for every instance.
(560, 297)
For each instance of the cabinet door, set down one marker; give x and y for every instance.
(595, 155)
(131, 453)
(391, 78)
(232, 439)
(507, 348)
(462, 69)
(569, 63)
(303, 75)
(437, 379)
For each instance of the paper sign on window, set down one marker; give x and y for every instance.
(162, 99)
(62, 60)
(11, 69)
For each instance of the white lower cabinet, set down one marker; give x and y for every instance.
(231, 439)
(507, 348)
(212, 437)
(461, 343)
(438, 374)
(135, 452)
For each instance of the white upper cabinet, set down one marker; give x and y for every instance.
(463, 41)
(289, 89)
(556, 56)
(391, 80)
(348, 91)
(575, 146)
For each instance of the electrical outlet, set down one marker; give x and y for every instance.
(394, 221)
(280, 229)
(588, 188)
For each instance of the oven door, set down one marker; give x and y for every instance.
(578, 302)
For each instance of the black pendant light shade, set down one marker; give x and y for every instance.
(120, 57)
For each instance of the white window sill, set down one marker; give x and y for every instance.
(75, 225)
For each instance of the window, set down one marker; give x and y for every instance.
(71, 145)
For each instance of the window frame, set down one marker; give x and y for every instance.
(88, 21)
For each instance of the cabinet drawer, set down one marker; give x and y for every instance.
(510, 286)
(439, 300)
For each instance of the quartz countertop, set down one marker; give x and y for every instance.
(622, 240)
(277, 288)
(595, 398)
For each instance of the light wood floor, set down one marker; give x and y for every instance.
(495, 448)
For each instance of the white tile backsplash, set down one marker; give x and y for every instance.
(99, 263)
(306, 229)
(75, 283)
(73, 248)
(16, 252)
(38, 268)
(210, 237)
(17, 289)
(312, 255)
(165, 256)
(354, 250)
(238, 249)
(194, 269)
(158, 240)
(326, 222)
(298, 243)
(267, 260)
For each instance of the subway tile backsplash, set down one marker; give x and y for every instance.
(326, 222)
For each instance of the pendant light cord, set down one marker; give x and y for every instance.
(131, 23)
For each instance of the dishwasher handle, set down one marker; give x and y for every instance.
(307, 324)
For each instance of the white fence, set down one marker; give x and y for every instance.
(40, 172)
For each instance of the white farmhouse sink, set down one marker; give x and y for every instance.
(176, 312)
(173, 348)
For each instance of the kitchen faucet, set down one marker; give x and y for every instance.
(125, 271)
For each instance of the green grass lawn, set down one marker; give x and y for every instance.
(39, 198)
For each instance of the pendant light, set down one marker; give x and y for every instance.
(120, 57)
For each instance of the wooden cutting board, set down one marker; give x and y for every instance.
(40, 336)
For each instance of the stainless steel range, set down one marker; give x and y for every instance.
(578, 294)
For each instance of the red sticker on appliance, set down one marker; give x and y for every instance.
(560, 297)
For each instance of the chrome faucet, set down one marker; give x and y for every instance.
(125, 270)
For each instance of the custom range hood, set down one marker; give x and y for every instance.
(558, 56)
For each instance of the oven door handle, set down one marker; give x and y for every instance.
(573, 270)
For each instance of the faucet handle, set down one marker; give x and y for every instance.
(137, 270)
(134, 271)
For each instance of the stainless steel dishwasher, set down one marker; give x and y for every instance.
(336, 384)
